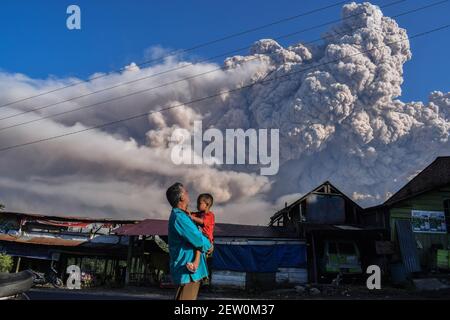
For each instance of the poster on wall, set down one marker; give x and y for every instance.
(428, 221)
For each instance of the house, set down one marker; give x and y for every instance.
(245, 256)
(43, 242)
(332, 226)
(417, 218)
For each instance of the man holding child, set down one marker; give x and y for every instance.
(188, 246)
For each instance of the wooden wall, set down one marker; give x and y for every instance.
(430, 201)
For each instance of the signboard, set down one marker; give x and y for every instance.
(428, 221)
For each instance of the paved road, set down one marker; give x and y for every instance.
(161, 294)
(55, 294)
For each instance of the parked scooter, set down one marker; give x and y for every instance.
(50, 277)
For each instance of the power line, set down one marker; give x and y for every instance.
(186, 65)
(178, 68)
(165, 84)
(211, 96)
(178, 52)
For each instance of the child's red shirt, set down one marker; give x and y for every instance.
(208, 224)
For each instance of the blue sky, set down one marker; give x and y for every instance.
(36, 42)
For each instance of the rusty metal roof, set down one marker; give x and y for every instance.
(69, 218)
(146, 227)
(150, 227)
(436, 175)
(41, 240)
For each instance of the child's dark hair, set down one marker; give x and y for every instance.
(208, 198)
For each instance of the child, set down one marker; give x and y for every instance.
(204, 218)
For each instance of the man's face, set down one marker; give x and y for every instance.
(185, 196)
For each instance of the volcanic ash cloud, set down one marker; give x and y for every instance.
(335, 103)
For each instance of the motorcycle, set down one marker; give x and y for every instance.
(49, 277)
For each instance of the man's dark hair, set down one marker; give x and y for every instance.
(207, 197)
(174, 193)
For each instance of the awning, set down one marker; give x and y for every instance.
(26, 251)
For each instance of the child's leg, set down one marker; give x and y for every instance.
(192, 266)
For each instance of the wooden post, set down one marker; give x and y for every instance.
(313, 243)
(144, 260)
(114, 268)
(18, 264)
(129, 256)
(63, 266)
(105, 268)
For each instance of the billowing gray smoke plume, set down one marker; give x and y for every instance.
(339, 120)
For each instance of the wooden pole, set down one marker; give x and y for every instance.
(129, 256)
(145, 260)
(314, 257)
(18, 264)
(105, 269)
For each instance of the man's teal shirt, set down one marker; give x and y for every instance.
(184, 238)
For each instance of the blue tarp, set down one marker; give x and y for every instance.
(258, 258)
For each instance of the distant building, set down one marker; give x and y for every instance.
(333, 227)
(245, 256)
(42, 242)
(322, 234)
(417, 218)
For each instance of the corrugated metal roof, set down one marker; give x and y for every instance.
(69, 218)
(408, 245)
(341, 227)
(150, 227)
(239, 230)
(437, 174)
(146, 227)
(26, 250)
(41, 240)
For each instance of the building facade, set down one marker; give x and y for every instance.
(417, 218)
(52, 243)
(332, 226)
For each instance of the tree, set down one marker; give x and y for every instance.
(6, 263)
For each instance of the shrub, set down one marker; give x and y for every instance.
(6, 263)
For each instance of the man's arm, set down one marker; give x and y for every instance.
(188, 230)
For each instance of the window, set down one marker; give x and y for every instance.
(346, 248)
(332, 248)
(325, 208)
